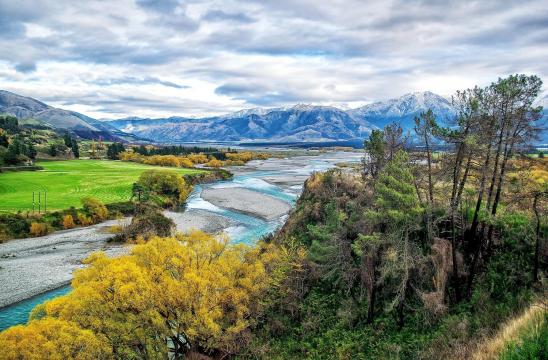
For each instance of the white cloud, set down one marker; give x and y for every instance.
(112, 59)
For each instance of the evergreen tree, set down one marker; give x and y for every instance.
(374, 147)
(75, 149)
(68, 139)
(31, 151)
(398, 210)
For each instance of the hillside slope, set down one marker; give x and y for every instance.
(84, 126)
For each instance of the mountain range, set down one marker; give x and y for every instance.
(299, 123)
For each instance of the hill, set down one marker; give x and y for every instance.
(84, 126)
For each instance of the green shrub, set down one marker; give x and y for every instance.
(95, 208)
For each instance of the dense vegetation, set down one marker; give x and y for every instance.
(22, 144)
(191, 159)
(420, 255)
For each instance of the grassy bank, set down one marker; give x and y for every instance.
(67, 182)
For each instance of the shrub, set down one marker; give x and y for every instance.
(165, 183)
(214, 163)
(147, 222)
(39, 229)
(84, 220)
(95, 208)
(68, 222)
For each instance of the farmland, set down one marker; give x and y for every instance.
(67, 182)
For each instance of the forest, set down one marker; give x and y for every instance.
(419, 254)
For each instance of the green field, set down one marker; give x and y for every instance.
(67, 182)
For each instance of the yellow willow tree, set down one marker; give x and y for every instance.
(51, 338)
(191, 293)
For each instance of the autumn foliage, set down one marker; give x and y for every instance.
(51, 338)
(39, 229)
(68, 222)
(189, 293)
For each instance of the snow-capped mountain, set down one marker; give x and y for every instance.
(296, 123)
(301, 122)
(404, 109)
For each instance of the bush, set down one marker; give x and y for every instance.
(147, 222)
(84, 220)
(14, 225)
(39, 229)
(68, 222)
(95, 208)
(214, 163)
(121, 208)
(165, 183)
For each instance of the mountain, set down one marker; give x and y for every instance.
(404, 109)
(297, 123)
(84, 126)
(289, 124)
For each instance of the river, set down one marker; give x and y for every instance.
(251, 205)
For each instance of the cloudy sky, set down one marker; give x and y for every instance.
(110, 59)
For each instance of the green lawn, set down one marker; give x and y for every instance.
(67, 182)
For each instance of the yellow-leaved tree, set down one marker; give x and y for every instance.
(189, 293)
(51, 338)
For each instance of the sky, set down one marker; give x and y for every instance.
(111, 59)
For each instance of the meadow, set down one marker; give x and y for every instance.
(67, 182)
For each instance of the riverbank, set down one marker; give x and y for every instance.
(251, 205)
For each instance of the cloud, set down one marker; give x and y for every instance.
(219, 15)
(136, 81)
(194, 57)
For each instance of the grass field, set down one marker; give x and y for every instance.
(67, 182)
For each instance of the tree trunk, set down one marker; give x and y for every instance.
(537, 233)
(372, 298)
(474, 227)
(429, 161)
(507, 153)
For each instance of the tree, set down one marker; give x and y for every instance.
(67, 139)
(31, 151)
(52, 338)
(374, 158)
(511, 120)
(397, 209)
(166, 183)
(9, 123)
(425, 125)
(52, 151)
(194, 290)
(114, 149)
(395, 141)
(75, 148)
(4, 141)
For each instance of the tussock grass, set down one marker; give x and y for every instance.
(512, 333)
